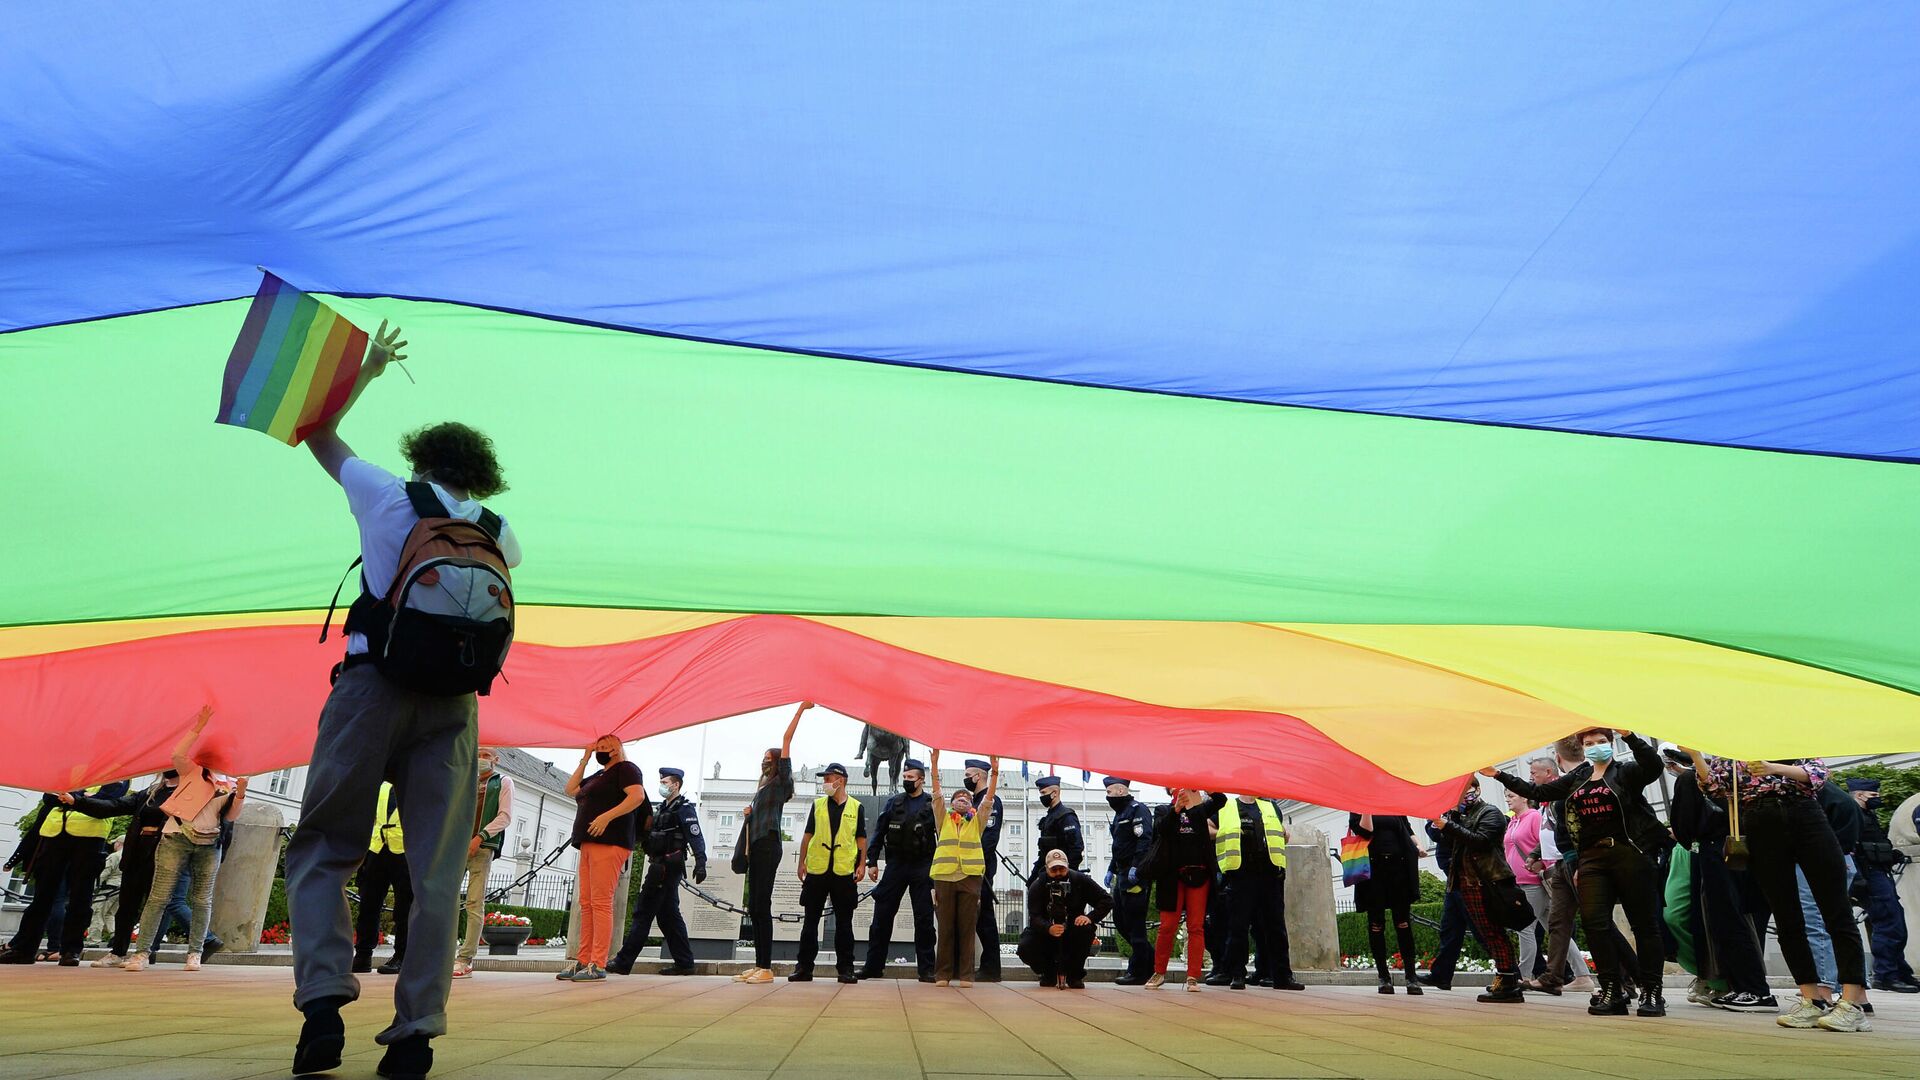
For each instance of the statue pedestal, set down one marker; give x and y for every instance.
(246, 878)
(1312, 933)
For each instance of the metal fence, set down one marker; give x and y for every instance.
(550, 889)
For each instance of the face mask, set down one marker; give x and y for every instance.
(1049, 800)
(1119, 802)
(603, 757)
(666, 791)
(912, 786)
(835, 789)
(1873, 802)
(486, 767)
(1599, 753)
(972, 784)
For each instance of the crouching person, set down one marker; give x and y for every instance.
(1062, 907)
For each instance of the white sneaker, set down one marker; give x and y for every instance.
(1699, 993)
(110, 961)
(136, 962)
(1804, 1014)
(1845, 1016)
(193, 961)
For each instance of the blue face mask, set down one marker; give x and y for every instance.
(1600, 753)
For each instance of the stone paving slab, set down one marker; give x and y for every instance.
(231, 1022)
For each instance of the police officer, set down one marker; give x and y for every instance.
(989, 970)
(1127, 878)
(1059, 828)
(675, 834)
(384, 868)
(64, 846)
(904, 832)
(1879, 860)
(1251, 847)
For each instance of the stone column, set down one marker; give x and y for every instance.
(1312, 933)
(619, 911)
(246, 878)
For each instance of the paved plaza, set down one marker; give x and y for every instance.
(233, 1021)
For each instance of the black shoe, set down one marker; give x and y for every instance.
(677, 969)
(322, 1038)
(1289, 984)
(994, 976)
(863, 974)
(1264, 980)
(1653, 1001)
(800, 976)
(1237, 984)
(1897, 987)
(926, 978)
(1746, 1002)
(847, 978)
(1386, 984)
(69, 960)
(1076, 984)
(14, 956)
(1430, 979)
(1504, 991)
(1607, 1000)
(210, 946)
(1130, 979)
(1218, 978)
(409, 1059)
(1045, 980)
(1413, 985)
(391, 967)
(619, 965)
(363, 965)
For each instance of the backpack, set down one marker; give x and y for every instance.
(445, 623)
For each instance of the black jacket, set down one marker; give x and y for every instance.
(1060, 828)
(1050, 901)
(1843, 814)
(1627, 780)
(904, 830)
(1165, 858)
(1478, 839)
(1697, 820)
(1132, 838)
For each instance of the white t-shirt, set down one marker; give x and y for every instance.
(380, 507)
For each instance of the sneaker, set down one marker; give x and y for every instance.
(410, 1058)
(193, 961)
(758, 976)
(1155, 981)
(568, 972)
(590, 973)
(1193, 986)
(110, 960)
(1583, 984)
(742, 976)
(965, 984)
(1699, 993)
(463, 970)
(1845, 1016)
(1745, 1002)
(136, 962)
(1804, 1014)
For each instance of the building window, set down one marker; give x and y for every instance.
(726, 821)
(280, 782)
(1013, 828)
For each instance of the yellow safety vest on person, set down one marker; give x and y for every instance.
(61, 819)
(386, 825)
(958, 855)
(1226, 843)
(830, 847)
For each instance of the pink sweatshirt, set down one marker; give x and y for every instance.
(1523, 838)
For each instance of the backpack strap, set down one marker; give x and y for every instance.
(328, 625)
(490, 521)
(425, 503)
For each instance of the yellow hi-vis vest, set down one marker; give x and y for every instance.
(1226, 843)
(386, 825)
(958, 855)
(64, 819)
(836, 848)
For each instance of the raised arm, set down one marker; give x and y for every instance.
(183, 750)
(580, 770)
(239, 800)
(1552, 791)
(1646, 761)
(325, 443)
(786, 741)
(993, 788)
(933, 781)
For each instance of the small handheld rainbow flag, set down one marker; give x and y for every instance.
(1356, 864)
(293, 366)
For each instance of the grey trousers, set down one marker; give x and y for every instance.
(372, 730)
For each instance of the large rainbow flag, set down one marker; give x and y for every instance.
(293, 365)
(1317, 400)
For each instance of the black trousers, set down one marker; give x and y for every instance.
(1454, 925)
(989, 927)
(763, 869)
(1787, 832)
(1403, 933)
(1051, 957)
(382, 870)
(815, 892)
(1130, 920)
(1619, 874)
(1729, 933)
(136, 878)
(1258, 902)
(659, 900)
(913, 880)
(76, 861)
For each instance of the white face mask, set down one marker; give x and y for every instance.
(666, 791)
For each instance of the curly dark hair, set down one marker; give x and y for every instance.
(456, 455)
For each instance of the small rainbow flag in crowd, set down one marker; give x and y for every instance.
(293, 366)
